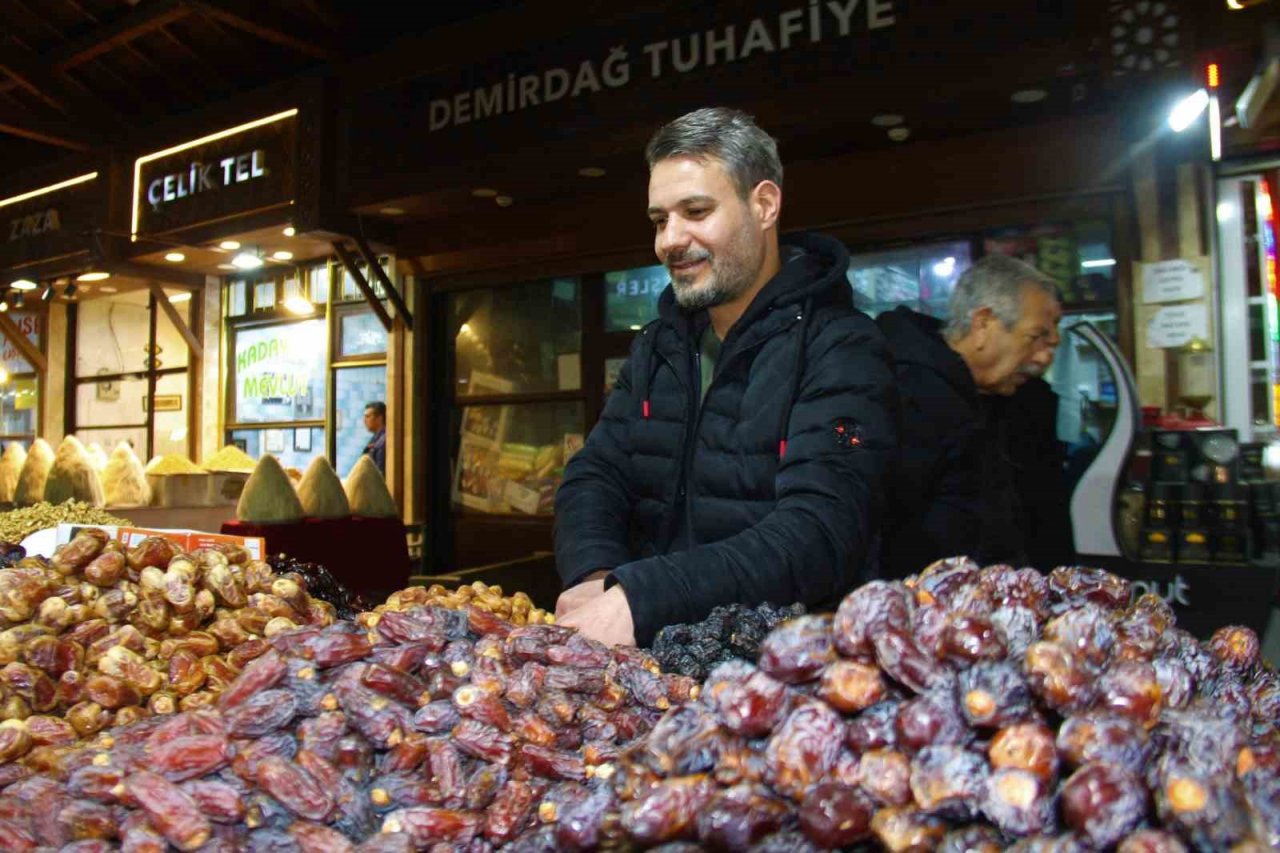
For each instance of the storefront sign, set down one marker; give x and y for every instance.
(1172, 281)
(49, 222)
(233, 172)
(40, 222)
(1176, 325)
(205, 177)
(790, 29)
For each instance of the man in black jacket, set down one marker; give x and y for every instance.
(955, 490)
(739, 456)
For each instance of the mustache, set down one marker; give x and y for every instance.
(687, 256)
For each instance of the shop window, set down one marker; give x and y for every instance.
(511, 458)
(1079, 256)
(278, 372)
(19, 388)
(353, 389)
(920, 277)
(294, 447)
(237, 298)
(113, 335)
(631, 297)
(520, 340)
(360, 333)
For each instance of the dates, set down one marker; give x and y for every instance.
(1103, 803)
(798, 650)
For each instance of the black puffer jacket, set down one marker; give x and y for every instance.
(952, 491)
(690, 503)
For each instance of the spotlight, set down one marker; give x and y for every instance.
(19, 301)
(246, 261)
(229, 245)
(175, 257)
(282, 255)
(290, 231)
(4, 306)
(70, 290)
(1188, 110)
(299, 305)
(47, 295)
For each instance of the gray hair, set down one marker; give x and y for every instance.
(995, 282)
(721, 133)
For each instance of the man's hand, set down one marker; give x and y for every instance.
(606, 618)
(576, 596)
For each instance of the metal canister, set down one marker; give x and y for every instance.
(1191, 507)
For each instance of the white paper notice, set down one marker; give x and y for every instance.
(1172, 281)
(1176, 325)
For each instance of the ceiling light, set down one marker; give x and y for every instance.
(944, 267)
(282, 255)
(484, 192)
(184, 296)
(504, 200)
(391, 211)
(591, 172)
(290, 231)
(899, 134)
(4, 306)
(107, 289)
(246, 261)
(298, 305)
(47, 295)
(1188, 110)
(1098, 264)
(4, 376)
(227, 267)
(229, 245)
(70, 290)
(175, 257)
(93, 275)
(1028, 96)
(887, 120)
(24, 284)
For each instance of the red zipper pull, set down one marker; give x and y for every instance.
(782, 447)
(644, 409)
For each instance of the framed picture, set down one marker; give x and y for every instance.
(273, 440)
(302, 439)
(241, 443)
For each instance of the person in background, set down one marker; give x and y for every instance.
(375, 421)
(739, 455)
(975, 417)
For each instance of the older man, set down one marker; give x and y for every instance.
(954, 490)
(739, 456)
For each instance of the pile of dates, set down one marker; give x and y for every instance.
(101, 635)
(730, 631)
(321, 584)
(432, 727)
(517, 609)
(969, 709)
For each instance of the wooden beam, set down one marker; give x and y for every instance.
(149, 17)
(392, 291)
(20, 342)
(374, 302)
(51, 130)
(256, 22)
(162, 299)
(36, 76)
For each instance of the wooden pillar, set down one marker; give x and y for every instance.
(210, 388)
(55, 383)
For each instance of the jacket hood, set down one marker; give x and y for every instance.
(814, 267)
(916, 339)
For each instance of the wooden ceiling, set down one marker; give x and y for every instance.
(76, 74)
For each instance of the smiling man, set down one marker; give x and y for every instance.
(739, 456)
(954, 491)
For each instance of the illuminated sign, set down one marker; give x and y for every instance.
(40, 222)
(201, 177)
(240, 170)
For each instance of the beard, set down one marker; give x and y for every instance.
(730, 273)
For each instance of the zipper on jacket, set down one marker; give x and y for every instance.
(691, 437)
